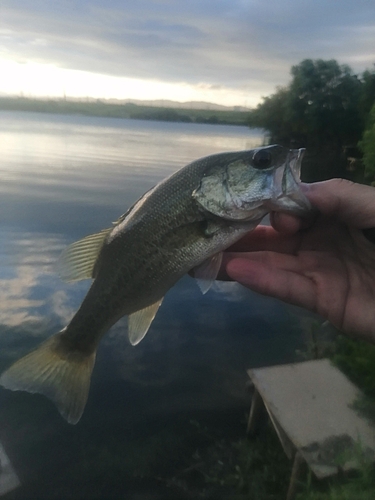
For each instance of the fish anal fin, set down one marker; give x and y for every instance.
(62, 377)
(77, 261)
(206, 273)
(139, 322)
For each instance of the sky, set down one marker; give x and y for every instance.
(230, 52)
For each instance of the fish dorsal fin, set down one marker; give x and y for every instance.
(140, 321)
(122, 217)
(206, 273)
(133, 207)
(77, 261)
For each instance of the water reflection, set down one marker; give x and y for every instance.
(64, 177)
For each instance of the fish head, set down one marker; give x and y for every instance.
(249, 184)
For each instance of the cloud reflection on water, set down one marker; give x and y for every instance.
(31, 295)
(65, 177)
(61, 179)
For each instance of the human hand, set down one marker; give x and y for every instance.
(327, 268)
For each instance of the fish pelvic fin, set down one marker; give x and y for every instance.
(206, 272)
(140, 321)
(60, 375)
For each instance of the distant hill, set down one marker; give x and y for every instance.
(157, 103)
(191, 112)
(165, 103)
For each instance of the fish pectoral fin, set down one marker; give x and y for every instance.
(60, 375)
(206, 273)
(140, 321)
(77, 261)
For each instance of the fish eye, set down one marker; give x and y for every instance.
(262, 158)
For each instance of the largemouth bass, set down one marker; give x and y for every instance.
(182, 224)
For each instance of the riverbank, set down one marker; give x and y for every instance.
(126, 110)
(241, 468)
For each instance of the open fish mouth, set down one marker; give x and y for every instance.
(295, 158)
(286, 192)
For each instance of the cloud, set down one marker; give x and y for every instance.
(233, 44)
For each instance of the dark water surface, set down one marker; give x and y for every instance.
(63, 177)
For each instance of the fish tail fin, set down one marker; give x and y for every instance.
(56, 372)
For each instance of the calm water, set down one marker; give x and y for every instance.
(63, 177)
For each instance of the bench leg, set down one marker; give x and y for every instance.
(296, 472)
(255, 411)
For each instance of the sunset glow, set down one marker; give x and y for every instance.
(230, 52)
(44, 80)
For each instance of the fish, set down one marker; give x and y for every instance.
(182, 225)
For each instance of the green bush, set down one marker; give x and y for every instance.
(367, 145)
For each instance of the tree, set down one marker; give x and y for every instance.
(367, 94)
(367, 145)
(271, 115)
(321, 103)
(319, 110)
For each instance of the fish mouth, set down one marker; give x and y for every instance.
(294, 161)
(287, 195)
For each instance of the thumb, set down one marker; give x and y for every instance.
(353, 204)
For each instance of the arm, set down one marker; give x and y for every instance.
(328, 268)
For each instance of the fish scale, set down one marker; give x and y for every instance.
(182, 224)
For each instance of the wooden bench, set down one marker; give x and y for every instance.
(310, 405)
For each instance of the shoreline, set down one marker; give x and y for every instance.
(128, 110)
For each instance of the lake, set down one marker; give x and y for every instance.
(63, 177)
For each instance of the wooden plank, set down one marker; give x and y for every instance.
(8, 478)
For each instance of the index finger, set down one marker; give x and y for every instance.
(266, 238)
